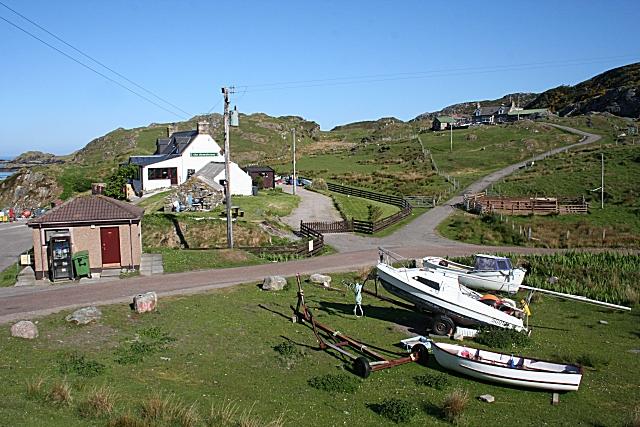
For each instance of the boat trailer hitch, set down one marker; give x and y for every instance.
(361, 365)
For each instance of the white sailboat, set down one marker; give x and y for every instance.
(490, 272)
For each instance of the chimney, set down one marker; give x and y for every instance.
(203, 128)
(171, 129)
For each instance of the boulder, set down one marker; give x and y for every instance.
(145, 302)
(274, 283)
(85, 315)
(487, 398)
(320, 278)
(24, 329)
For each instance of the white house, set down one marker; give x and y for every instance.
(181, 155)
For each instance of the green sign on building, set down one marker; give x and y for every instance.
(204, 154)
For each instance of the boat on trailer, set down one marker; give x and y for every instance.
(440, 293)
(506, 368)
(490, 272)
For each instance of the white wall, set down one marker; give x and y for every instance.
(202, 144)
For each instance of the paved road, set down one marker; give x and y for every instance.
(15, 238)
(418, 239)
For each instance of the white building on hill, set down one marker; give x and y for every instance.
(182, 155)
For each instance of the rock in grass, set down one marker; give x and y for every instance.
(320, 278)
(487, 398)
(274, 283)
(24, 329)
(85, 315)
(145, 302)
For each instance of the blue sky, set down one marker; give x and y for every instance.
(432, 54)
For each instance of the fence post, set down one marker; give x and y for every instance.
(529, 235)
(567, 234)
(604, 233)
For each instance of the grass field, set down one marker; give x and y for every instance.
(224, 348)
(576, 172)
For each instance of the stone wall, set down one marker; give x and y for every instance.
(197, 189)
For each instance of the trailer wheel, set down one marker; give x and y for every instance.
(361, 367)
(442, 325)
(421, 351)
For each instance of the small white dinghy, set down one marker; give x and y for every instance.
(507, 368)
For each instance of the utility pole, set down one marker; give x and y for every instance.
(602, 183)
(451, 142)
(227, 168)
(295, 179)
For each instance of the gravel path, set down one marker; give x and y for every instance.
(418, 239)
(313, 207)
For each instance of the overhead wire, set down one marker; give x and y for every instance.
(92, 69)
(430, 74)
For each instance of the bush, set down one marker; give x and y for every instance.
(340, 383)
(77, 364)
(287, 348)
(437, 380)
(501, 337)
(397, 410)
(99, 402)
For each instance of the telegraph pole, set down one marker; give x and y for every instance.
(451, 143)
(602, 183)
(295, 179)
(227, 168)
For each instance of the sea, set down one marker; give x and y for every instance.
(4, 175)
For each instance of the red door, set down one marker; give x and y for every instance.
(173, 174)
(110, 242)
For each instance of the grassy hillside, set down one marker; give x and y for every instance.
(576, 172)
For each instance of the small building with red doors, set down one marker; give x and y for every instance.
(265, 173)
(108, 228)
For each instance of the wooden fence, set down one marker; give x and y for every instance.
(561, 205)
(307, 248)
(382, 198)
(366, 227)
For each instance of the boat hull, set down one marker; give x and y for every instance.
(448, 299)
(488, 282)
(496, 367)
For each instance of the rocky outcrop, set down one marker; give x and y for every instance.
(620, 102)
(28, 189)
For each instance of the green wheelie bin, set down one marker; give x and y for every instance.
(81, 263)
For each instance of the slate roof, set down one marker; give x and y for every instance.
(90, 208)
(250, 169)
(149, 160)
(208, 174)
(490, 111)
(176, 143)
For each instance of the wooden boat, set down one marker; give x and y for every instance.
(490, 272)
(506, 368)
(440, 293)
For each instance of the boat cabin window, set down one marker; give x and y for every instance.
(430, 283)
(503, 264)
(485, 263)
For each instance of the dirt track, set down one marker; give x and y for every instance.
(418, 239)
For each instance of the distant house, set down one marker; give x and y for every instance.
(180, 156)
(492, 115)
(265, 172)
(109, 229)
(442, 123)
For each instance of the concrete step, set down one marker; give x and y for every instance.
(110, 272)
(151, 264)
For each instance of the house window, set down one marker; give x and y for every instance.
(162, 173)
